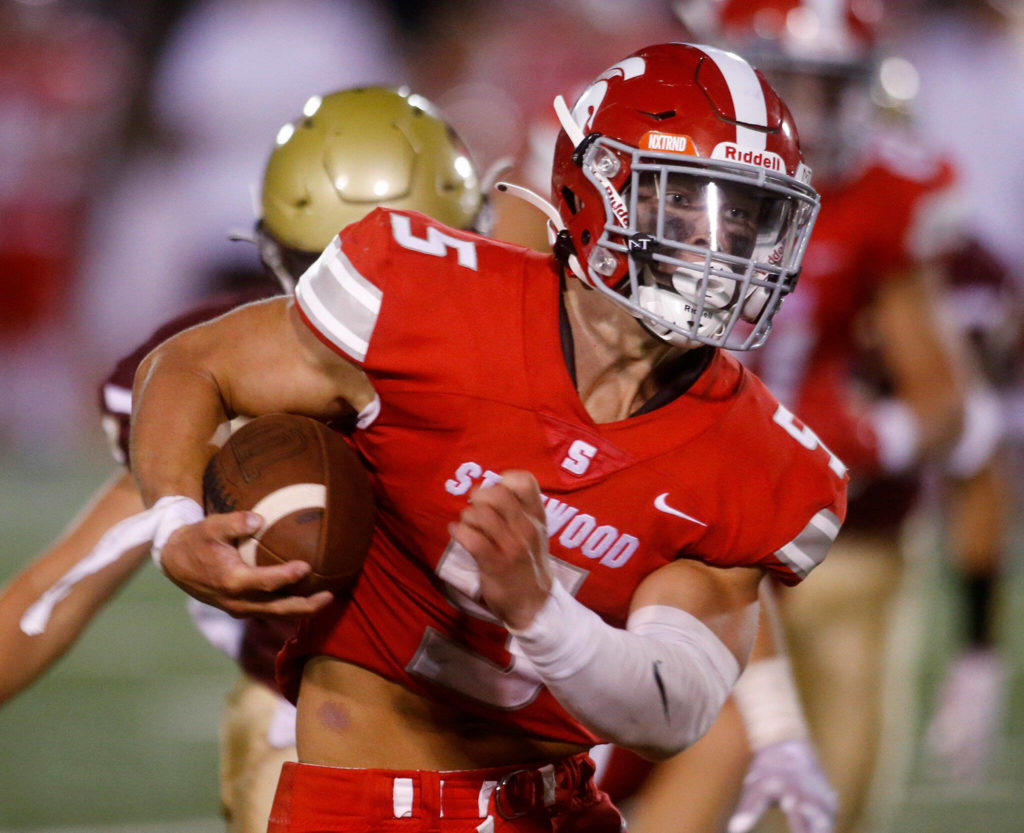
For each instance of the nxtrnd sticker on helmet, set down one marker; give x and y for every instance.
(668, 143)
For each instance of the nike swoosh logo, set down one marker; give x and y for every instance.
(661, 687)
(662, 506)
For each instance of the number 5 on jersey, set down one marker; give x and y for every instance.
(807, 438)
(436, 242)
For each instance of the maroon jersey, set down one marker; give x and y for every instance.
(115, 393)
(460, 337)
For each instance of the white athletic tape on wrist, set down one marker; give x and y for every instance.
(655, 687)
(769, 704)
(174, 512)
(121, 538)
(982, 431)
(897, 433)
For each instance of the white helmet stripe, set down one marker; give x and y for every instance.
(747, 96)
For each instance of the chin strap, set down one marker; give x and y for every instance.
(495, 171)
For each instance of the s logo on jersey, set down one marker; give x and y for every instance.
(577, 461)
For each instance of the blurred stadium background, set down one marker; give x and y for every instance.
(136, 171)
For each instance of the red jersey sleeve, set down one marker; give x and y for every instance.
(782, 491)
(374, 277)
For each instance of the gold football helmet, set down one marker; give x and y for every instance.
(350, 152)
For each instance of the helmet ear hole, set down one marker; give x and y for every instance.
(570, 200)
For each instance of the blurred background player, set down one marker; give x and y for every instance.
(971, 510)
(66, 72)
(349, 152)
(959, 47)
(889, 215)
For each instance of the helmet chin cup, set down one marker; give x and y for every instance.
(680, 309)
(755, 303)
(718, 293)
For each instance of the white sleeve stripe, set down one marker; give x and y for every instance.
(827, 523)
(329, 326)
(808, 549)
(797, 559)
(361, 290)
(342, 304)
(747, 96)
(366, 417)
(117, 399)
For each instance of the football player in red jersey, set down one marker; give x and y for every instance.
(579, 491)
(349, 152)
(878, 262)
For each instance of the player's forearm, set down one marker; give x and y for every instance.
(925, 357)
(178, 408)
(23, 658)
(766, 692)
(770, 640)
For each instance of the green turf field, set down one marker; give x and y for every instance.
(121, 735)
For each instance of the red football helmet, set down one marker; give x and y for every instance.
(820, 55)
(679, 178)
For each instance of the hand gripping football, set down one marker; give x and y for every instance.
(311, 489)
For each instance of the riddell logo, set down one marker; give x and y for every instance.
(731, 152)
(668, 143)
(615, 201)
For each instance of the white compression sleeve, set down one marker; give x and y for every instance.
(655, 687)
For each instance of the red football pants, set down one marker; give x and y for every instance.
(555, 798)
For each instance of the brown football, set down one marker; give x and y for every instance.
(311, 489)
